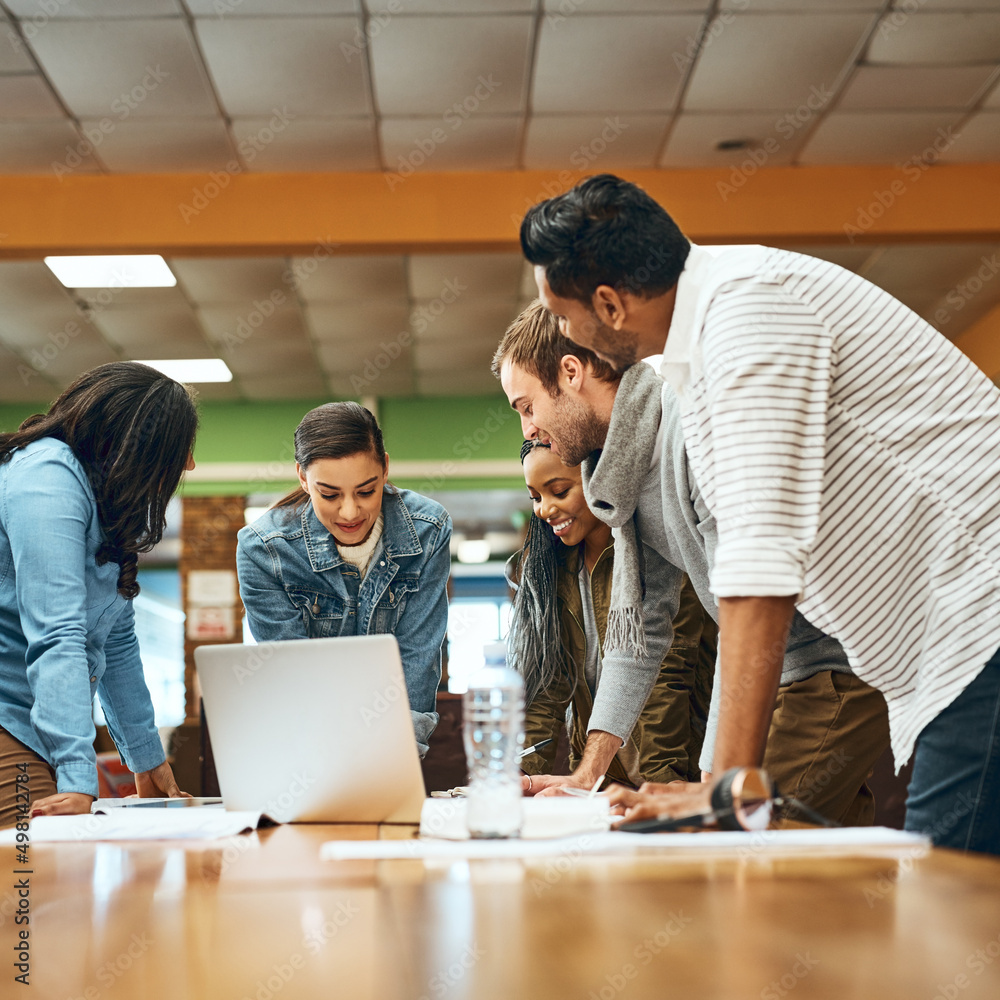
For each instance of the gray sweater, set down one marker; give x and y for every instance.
(679, 535)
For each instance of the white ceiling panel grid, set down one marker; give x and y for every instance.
(883, 137)
(27, 96)
(292, 64)
(578, 71)
(775, 62)
(914, 87)
(341, 85)
(979, 142)
(307, 144)
(149, 68)
(590, 143)
(450, 67)
(695, 139)
(191, 145)
(922, 36)
(486, 142)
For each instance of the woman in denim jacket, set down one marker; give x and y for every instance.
(83, 490)
(349, 554)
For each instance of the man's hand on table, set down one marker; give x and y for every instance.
(158, 783)
(678, 798)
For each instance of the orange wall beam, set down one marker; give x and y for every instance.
(981, 342)
(232, 214)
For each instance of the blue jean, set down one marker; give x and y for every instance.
(954, 795)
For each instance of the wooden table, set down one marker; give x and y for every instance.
(261, 917)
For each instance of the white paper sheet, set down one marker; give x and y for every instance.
(544, 818)
(139, 824)
(847, 842)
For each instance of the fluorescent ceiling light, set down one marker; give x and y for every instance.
(148, 270)
(193, 369)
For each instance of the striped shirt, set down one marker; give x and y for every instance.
(850, 455)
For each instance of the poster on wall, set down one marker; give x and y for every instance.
(211, 624)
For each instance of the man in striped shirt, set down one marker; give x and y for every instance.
(849, 454)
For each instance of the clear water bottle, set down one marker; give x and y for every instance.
(493, 711)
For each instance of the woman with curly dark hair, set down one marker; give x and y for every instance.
(83, 490)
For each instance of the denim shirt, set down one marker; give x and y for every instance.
(65, 632)
(294, 585)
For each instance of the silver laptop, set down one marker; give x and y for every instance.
(313, 730)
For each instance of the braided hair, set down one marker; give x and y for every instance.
(534, 643)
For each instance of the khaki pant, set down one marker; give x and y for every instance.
(41, 778)
(826, 734)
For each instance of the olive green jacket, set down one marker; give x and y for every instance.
(666, 742)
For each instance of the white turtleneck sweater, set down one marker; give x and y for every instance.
(360, 555)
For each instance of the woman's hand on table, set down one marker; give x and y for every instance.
(62, 804)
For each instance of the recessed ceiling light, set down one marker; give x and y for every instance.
(145, 270)
(193, 369)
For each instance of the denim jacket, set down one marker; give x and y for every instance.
(294, 585)
(65, 632)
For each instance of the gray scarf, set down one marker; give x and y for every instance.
(612, 479)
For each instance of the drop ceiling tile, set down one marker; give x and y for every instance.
(344, 357)
(738, 69)
(139, 346)
(308, 144)
(30, 283)
(465, 382)
(27, 96)
(33, 390)
(75, 360)
(257, 358)
(230, 325)
(410, 145)
(60, 326)
(149, 68)
(233, 280)
(916, 87)
(880, 137)
(256, 8)
(159, 146)
(802, 5)
(590, 144)
(292, 65)
(14, 56)
(468, 6)
(694, 140)
(42, 148)
(340, 279)
(215, 392)
(131, 326)
(450, 277)
(455, 352)
(470, 321)
(993, 97)
(612, 63)
(303, 385)
(922, 37)
(100, 299)
(41, 11)
(979, 142)
(395, 381)
(369, 324)
(451, 67)
(559, 11)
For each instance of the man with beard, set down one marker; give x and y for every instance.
(849, 454)
(829, 727)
